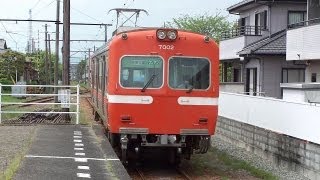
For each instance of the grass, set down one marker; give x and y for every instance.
(239, 164)
(10, 99)
(218, 163)
(16, 161)
(82, 118)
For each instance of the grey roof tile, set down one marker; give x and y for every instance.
(274, 45)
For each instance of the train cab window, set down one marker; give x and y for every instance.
(136, 71)
(189, 73)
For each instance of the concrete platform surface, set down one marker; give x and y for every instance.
(71, 152)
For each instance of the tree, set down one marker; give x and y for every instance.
(210, 25)
(38, 62)
(10, 63)
(81, 68)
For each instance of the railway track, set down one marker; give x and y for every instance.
(38, 118)
(39, 100)
(179, 174)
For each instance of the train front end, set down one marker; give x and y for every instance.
(162, 91)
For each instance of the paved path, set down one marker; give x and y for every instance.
(70, 152)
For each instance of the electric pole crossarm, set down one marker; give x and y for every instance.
(86, 40)
(52, 21)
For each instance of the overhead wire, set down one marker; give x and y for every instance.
(99, 31)
(79, 11)
(8, 33)
(34, 14)
(36, 4)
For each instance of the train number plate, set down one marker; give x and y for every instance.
(166, 47)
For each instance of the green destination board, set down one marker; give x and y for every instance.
(141, 62)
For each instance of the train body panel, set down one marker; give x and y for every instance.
(163, 116)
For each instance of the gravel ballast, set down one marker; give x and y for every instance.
(13, 141)
(254, 160)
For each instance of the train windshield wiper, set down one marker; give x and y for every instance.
(148, 83)
(190, 89)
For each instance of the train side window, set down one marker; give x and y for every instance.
(187, 72)
(136, 71)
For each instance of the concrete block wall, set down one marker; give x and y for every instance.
(289, 152)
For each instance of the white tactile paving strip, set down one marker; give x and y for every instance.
(84, 171)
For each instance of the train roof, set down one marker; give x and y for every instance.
(125, 29)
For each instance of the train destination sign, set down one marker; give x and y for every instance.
(142, 62)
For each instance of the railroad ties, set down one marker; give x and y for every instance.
(38, 118)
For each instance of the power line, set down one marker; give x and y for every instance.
(44, 7)
(36, 4)
(9, 33)
(85, 14)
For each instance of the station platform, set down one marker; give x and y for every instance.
(71, 152)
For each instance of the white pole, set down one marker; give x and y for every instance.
(0, 101)
(16, 75)
(78, 103)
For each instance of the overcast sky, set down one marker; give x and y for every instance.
(95, 11)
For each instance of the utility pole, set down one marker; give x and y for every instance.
(89, 69)
(56, 63)
(106, 33)
(85, 70)
(66, 42)
(46, 58)
(49, 63)
(66, 49)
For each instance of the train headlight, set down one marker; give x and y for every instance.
(124, 36)
(172, 35)
(161, 34)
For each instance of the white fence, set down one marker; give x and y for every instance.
(64, 95)
(300, 120)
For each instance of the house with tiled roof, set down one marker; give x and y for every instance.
(253, 54)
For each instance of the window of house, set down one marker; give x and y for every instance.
(261, 20)
(242, 23)
(293, 75)
(314, 77)
(295, 17)
(236, 75)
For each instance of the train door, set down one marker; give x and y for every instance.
(93, 71)
(97, 82)
(103, 87)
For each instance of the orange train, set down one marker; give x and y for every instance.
(157, 88)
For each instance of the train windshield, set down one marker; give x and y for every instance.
(189, 73)
(136, 71)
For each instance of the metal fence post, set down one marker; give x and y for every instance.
(78, 103)
(0, 102)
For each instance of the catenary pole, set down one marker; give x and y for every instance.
(66, 48)
(56, 63)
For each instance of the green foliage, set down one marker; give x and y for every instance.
(38, 62)
(10, 62)
(211, 25)
(81, 69)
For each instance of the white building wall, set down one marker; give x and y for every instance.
(300, 120)
(304, 43)
(230, 47)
